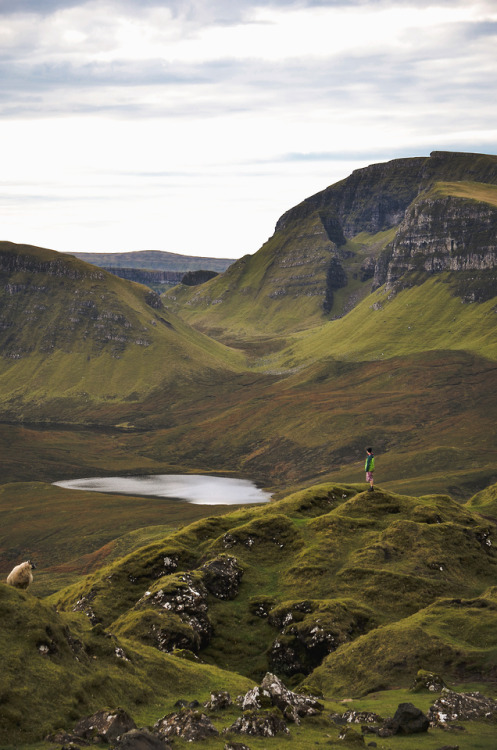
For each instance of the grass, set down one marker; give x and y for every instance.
(364, 571)
(39, 522)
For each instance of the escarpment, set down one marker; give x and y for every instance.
(378, 226)
(442, 233)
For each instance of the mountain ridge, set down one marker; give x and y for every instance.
(338, 239)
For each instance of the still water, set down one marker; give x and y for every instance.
(195, 488)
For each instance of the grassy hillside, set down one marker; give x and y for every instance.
(319, 262)
(392, 584)
(39, 522)
(75, 338)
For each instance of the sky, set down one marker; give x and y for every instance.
(192, 125)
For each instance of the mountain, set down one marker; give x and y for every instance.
(80, 345)
(281, 389)
(340, 592)
(395, 223)
(157, 269)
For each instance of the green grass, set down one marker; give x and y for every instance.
(400, 583)
(39, 521)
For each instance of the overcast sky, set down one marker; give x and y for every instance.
(192, 125)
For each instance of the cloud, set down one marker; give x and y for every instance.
(158, 106)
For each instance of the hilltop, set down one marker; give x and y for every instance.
(393, 224)
(80, 345)
(340, 592)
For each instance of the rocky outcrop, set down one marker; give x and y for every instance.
(179, 619)
(104, 725)
(445, 233)
(272, 693)
(188, 724)
(259, 724)
(452, 706)
(308, 633)
(222, 576)
(186, 596)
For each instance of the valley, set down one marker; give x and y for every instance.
(368, 318)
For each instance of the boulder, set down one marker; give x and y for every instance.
(452, 706)
(140, 739)
(105, 725)
(259, 724)
(222, 576)
(272, 692)
(219, 700)
(410, 720)
(407, 720)
(188, 724)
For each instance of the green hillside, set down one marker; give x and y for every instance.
(326, 251)
(77, 339)
(343, 591)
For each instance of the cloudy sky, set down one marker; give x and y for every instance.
(192, 125)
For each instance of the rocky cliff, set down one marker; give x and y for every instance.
(383, 222)
(443, 231)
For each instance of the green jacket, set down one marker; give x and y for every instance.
(369, 465)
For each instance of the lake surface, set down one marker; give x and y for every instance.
(195, 488)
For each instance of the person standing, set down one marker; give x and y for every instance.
(369, 467)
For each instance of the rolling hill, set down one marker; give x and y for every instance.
(341, 592)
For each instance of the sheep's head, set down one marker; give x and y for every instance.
(31, 564)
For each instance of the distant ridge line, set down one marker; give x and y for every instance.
(156, 260)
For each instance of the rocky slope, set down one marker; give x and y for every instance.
(384, 222)
(332, 588)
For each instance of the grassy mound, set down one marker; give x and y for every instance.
(70, 669)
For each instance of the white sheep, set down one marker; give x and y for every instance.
(21, 576)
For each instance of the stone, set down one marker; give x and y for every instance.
(452, 706)
(222, 576)
(105, 725)
(292, 705)
(357, 717)
(219, 700)
(259, 724)
(188, 724)
(235, 746)
(140, 739)
(430, 681)
(272, 692)
(410, 720)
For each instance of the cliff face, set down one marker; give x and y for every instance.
(445, 233)
(382, 223)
